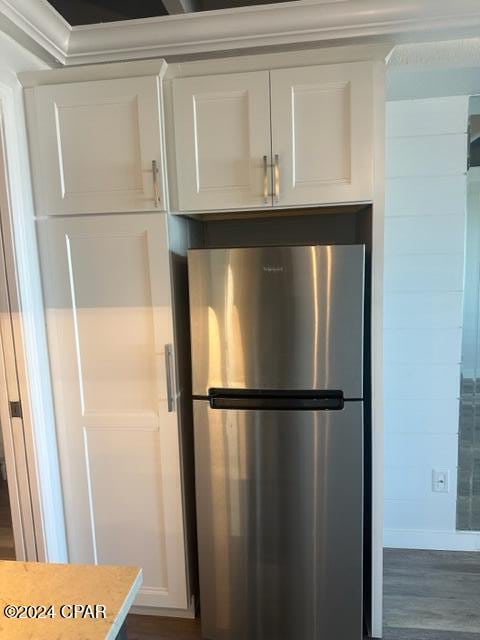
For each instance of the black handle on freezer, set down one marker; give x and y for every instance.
(258, 399)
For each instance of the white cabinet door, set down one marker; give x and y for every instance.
(95, 144)
(222, 133)
(322, 131)
(109, 318)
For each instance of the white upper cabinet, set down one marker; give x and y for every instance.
(222, 134)
(322, 133)
(96, 145)
(289, 137)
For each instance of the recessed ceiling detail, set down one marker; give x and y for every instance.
(81, 12)
(78, 12)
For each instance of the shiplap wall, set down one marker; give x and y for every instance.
(424, 264)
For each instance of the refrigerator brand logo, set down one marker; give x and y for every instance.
(271, 268)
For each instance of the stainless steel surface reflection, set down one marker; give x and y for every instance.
(279, 508)
(277, 318)
(279, 484)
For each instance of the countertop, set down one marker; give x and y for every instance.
(63, 585)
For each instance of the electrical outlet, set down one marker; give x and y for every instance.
(440, 480)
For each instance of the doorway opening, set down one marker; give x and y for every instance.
(7, 544)
(17, 529)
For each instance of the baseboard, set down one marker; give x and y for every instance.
(189, 613)
(432, 540)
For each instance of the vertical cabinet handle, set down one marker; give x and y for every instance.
(169, 376)
(276, 178)
(265, 179)
(156, 194)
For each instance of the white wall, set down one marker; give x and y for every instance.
(424, 264)
(409, 81)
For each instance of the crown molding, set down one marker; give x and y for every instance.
(253, 27)
(304, 21)
(41, 24)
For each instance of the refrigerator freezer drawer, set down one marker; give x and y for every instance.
(277, 318)
(280, 523)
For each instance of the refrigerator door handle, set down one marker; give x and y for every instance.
(277, 403)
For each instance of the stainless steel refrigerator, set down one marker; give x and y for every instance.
(277, 339)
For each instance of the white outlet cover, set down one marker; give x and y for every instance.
(440, 480)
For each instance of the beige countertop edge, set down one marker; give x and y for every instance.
(125, 608)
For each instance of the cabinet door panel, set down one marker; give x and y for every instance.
(109, 317)
(97, 141)
(322, 128)
(222, 132)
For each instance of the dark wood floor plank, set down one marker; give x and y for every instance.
(157, 628)
(427, 634)
(7, 546)
(431, 591)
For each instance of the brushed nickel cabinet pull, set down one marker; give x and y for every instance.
(156, 195)
(168, 369)
(276, 175)
(265, 179)
(276, 180)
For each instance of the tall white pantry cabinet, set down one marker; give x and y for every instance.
(97, 148)
(112, 159)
